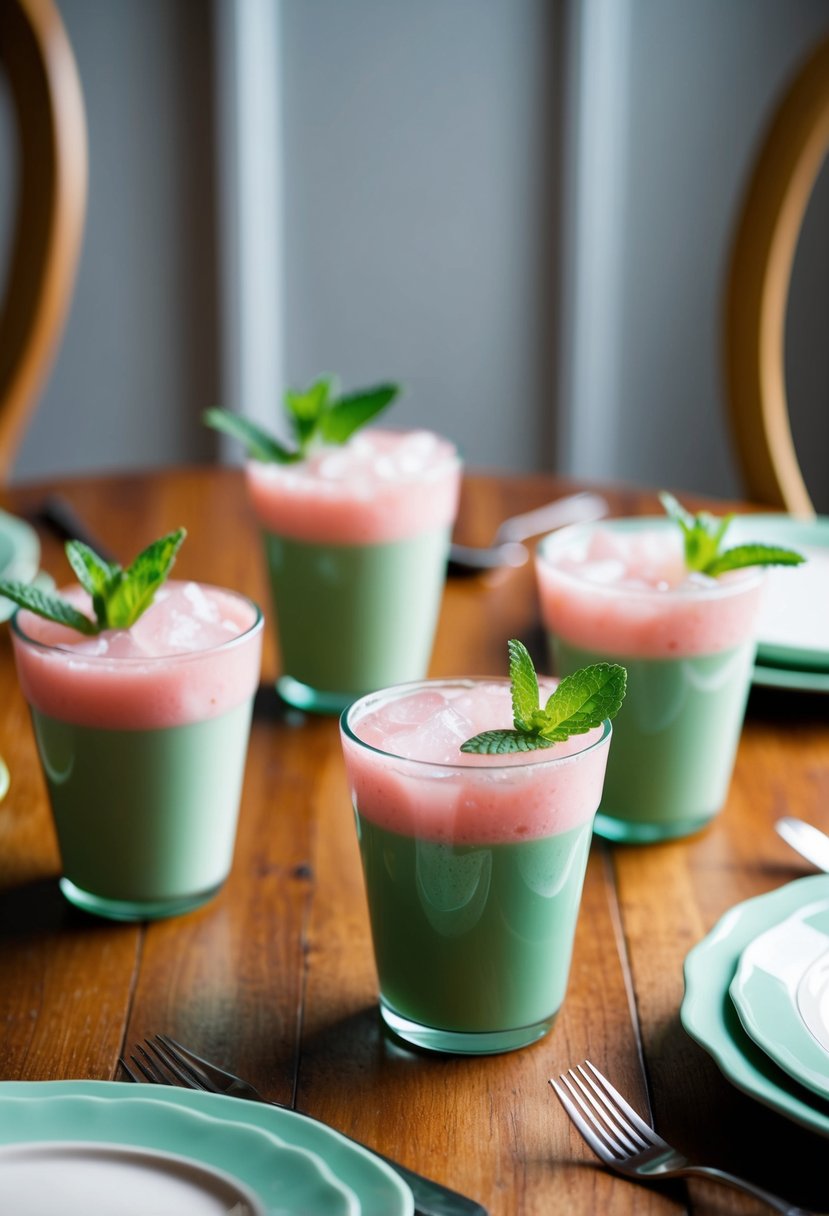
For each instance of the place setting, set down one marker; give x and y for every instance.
(109, 1138)
(757, 999)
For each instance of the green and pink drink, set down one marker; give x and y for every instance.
(621, 591)
(142, 735)
(356, 539)
(473, 864)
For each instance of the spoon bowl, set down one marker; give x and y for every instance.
(507, 550)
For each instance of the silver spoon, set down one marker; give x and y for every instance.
(507, 549)
(805, 839)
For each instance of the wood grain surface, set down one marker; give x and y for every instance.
(275, 976)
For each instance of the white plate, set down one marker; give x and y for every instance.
(119, 1181)
(794, 619)
(781, 993)
(294, 1166)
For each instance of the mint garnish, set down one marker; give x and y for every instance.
(119, 596)
(581, 702)
(703, 534)
(317, 416)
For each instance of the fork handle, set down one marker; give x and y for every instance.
(774, 1201)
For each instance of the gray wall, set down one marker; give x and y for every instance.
(138, 362)
(423, 239)
(702, 79)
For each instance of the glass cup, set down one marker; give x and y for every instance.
(618, 592)
(473, 869)
(356, 541)
(144, 760)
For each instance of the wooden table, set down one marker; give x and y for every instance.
(275, 977)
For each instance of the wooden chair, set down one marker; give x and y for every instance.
(37, 61)
(785, 172)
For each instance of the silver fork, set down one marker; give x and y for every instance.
(629, 1145)
(163, 1061)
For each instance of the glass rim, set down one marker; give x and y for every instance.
(398, 691)
(750, 577)
(179, 656)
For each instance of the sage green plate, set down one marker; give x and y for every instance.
(794, 624)
(767, 676)
(709, 1016)
(292, 1165)
(19, 555)
(781, 993)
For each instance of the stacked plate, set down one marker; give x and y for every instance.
(757, 999)
(793, 650)
(105, 1146)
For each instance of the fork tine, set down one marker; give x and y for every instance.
(598, 1146)
(612, 1134)
(145, 1066)
(132, 1076)
(184, 1070)
(632, 1142)
(644, 1129)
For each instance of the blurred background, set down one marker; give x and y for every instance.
(519, 208)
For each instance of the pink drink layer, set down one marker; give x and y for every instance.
(193, 655)
(379, 486)
(418, 783)
(630, 594)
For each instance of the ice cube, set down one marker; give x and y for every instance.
(385, 468)
(609, 570)
(333, 466)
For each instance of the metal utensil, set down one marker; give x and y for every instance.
(805, 839)
(507, 549)
(60, 517)
(170, 1063)
(629, 1145)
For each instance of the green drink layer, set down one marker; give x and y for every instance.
(473, 938)
(674, 742)
(147, 817)
(353, 618)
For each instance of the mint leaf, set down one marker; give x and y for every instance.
(504, 742)
(703, 536)
(753, 555)
(353, 411)
(581, 702)
(259, 444)
(316, 415)
(95, 575)
(307, 410)
(132, 592)
(118, 596)
(52, 607)
(702, 533)
(525, 695)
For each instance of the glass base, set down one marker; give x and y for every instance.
(629, 831)
(459, 1042)
(134, 909)
(313, 700)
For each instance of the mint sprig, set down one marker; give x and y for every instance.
(703, 535)
(119, 596)
(317, 415)
(581, 702)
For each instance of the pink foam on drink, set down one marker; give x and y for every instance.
(408, 775)
(379, 486)
(194, 654)
(630, 594)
